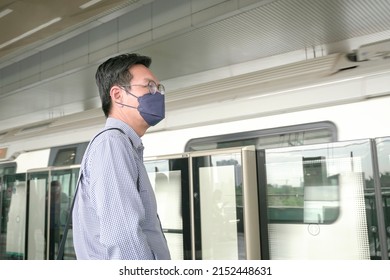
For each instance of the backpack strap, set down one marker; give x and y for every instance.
(61, 248)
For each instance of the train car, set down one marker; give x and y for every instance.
(290, 162)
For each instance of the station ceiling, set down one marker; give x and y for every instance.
(236, 32)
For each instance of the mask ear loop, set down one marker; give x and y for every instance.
(121, 101)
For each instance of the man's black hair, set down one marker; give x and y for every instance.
(115, 71)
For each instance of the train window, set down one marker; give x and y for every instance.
(383, 152)
(67, 155)
(316, 195)
(297, 135)
(383, 148)
(309, 184)
(7, 168)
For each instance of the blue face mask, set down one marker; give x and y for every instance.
(151, 107)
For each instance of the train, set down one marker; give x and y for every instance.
(291, 162)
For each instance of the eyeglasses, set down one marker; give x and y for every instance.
(152, 86)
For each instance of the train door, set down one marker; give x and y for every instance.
(224, 195)
(202, 199)
(323, 202)
(63, 185)
(49, 196)
(13, 217)
(381, 235)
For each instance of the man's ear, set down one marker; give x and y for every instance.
(116, 94)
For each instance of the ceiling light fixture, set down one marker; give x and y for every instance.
(5, 12)
(89, 4)
(28, 33)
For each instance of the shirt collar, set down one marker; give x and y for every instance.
(129, 131)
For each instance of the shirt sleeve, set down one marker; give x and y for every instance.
(117, 202)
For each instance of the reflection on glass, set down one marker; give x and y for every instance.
(167, 187)
(316, 206)
(63, 184)
(13, 217)
(49, 199)
(169, 179)
(218, 213)
(59, 204)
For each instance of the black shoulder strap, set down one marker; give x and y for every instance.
(61, 248)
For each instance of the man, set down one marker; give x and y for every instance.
(115, 212)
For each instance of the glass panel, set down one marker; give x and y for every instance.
(50, 195)
(383, 150)
(13, 217)
(37, 209)
(7, 169)
(62, 188)
(169, 178)
(216, 207)
(219, 206)
(316, 206)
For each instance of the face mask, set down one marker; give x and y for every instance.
(151, 107)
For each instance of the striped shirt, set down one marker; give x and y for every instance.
(115, 211)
